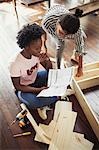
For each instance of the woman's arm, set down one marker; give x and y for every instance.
(44, 38)
(25, 88)
(59, 51)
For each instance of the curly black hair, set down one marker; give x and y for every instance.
(70, 23)
(28, 34)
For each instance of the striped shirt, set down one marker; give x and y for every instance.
(49, 25)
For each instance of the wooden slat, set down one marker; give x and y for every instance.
(76, 134)
(63, 132)
(88, 74)
(38, 129)
(61, 106)
(90, 66)
(89, 82)
(86, 108)
(80, 143)
(48, 129)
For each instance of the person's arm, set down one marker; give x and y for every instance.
(44, 38)
(59, 52)
(44, 59)
(25, 88)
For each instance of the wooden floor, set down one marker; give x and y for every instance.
(9, 105)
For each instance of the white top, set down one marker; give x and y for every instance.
(24, 68)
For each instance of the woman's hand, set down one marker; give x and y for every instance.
(40, 89)
(43, 88)
(43, 57)
(45, 61)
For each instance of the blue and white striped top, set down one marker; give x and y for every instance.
(49, 25)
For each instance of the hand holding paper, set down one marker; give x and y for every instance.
(58, 80)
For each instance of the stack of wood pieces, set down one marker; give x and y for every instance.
(60, 130)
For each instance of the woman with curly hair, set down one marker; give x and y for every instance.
(27, 79)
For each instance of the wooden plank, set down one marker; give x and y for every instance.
(48, 129)
(89, 82)
(62, 135)
(88, 66)
(88, 74)
(80, 143)
(86, 108)
(38, 129)
(61, 106)
(80, 135)
(90, 77)
(91, 66)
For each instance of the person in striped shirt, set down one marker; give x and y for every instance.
(62, 24)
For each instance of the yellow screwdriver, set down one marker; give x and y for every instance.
(21, 134)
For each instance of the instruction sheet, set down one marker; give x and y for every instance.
(58, 80)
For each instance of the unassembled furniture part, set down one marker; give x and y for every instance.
(89, 79)
(56, 134)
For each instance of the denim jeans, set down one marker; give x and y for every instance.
(31, 99)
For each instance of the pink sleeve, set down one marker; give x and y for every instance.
(15, 70)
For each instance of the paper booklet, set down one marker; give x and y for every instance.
(58, 80)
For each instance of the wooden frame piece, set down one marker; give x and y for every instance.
(61, 138)
(52, 133)
(90, 78)
(37, 128)
(61, 106)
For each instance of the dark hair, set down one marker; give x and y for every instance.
(78, 12)
(70, 23)
(28, 34)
